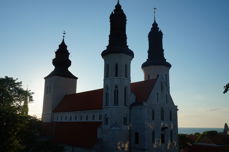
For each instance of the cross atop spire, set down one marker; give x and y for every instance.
(154, 12)
(64, 34)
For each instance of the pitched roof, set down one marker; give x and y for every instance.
(142, 89)
(90, 100)
(76, 133)
(93, 100)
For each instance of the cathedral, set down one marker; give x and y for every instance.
(121, 116)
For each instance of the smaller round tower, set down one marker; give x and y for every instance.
(165, 131)
(58, 83)
(156, 63)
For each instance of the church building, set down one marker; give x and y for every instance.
(121, 116)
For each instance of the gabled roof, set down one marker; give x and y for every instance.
(93, 100)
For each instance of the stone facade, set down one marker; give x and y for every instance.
(136, 117)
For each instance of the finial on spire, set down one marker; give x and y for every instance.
(154, 12)
(118, 2)
(64, 35)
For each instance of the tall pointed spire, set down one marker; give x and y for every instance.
(117, 37)
(155, 51)
(61, 62)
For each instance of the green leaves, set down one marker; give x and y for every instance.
(12, 95)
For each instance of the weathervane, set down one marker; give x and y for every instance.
(154, 11)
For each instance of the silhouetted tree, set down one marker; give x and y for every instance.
(12, 97)
(19, 132)
(226, 88)
(184, 140)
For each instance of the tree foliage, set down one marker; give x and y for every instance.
(184, 140)
(12, 95)
(226, 88)
(19, 132)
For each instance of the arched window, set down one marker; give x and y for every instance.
(125, 96)
(153, 114)
(93, 117)
(170, 115)
(70, 118)
(162, 114)
(124, 120)
(126, 70)
(100, 117)
(162, 138)
(107, 96)
(153, 137)
(107, 70)
(116, 70)
(116, 95)
(136, 138)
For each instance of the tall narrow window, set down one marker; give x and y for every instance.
(136, 138)
(124, 120)
(126, 70)
(170, 115)
(153, 137)
(166, 98)
(107, 96)
(162, 88)
(171, 135)
(148, 76)
(107, 70)
(116, 70)
(100, 117)
(157, 97)
(125, 96)
(106, 120)
(93, 117)
(116, 95)
(153, 114)
(162, 138)
(162, 114)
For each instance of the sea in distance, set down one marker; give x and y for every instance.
(199, 130)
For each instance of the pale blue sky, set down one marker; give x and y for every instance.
(196, 43)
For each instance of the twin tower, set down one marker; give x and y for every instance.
(121, 105)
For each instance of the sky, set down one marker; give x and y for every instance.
(196, 43)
